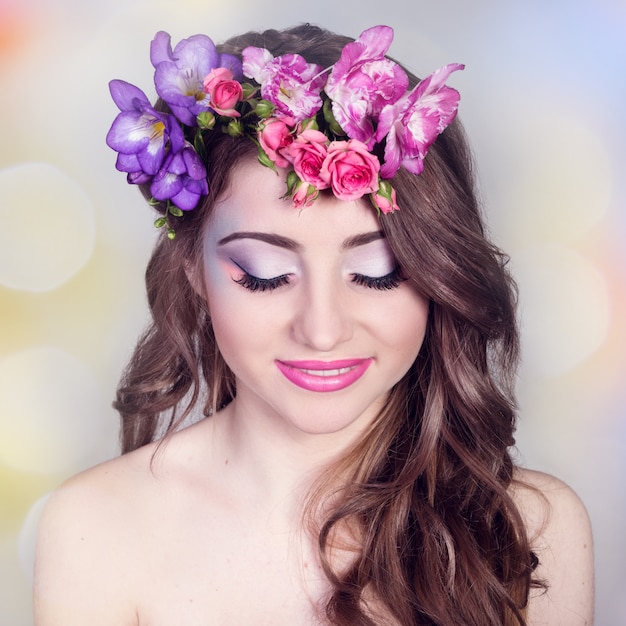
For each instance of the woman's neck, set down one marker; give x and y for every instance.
(270, 460)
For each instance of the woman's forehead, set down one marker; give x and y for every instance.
(254, 202)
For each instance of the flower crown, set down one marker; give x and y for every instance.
(348, 128)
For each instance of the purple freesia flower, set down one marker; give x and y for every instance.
(412, 124)
(287, 81)
(363, 81)
(179, 74)
(182, 179)
(141, 135)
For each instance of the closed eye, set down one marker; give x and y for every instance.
(252, 283)
(388, 281)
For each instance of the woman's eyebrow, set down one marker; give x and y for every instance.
(362, 239)
(290, 244)
(271, 238)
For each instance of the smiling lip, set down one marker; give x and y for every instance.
(324, 375)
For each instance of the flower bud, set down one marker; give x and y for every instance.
(206, 120)
(304, 195)
(308, 124)
(384, 200)
(264, 109)
(248, 90)
(235, 128)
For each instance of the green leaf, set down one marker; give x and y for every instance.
(292, 181)
(159, 222)
(333, 125)
(265, 160)
(198, 144)
(174, 210)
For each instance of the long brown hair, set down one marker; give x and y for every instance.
(426, 490)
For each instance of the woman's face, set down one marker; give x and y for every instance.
(309, 308)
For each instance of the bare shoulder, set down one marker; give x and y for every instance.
(560, 534)
(83, 554)
(99, 532)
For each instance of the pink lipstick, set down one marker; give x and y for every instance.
(324, 375)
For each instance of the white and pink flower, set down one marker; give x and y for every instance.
(363, 81)
(287, 81)
(411, 125)
(349, 127)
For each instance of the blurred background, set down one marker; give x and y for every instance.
(543, 103)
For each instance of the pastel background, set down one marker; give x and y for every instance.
(543, 102)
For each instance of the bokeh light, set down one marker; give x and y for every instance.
(48, 227)
(565, 308)
(49, 411)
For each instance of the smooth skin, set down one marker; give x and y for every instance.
(209, 530)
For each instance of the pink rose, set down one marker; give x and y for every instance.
(275, 135)
(385, 198)
(224, 92)
(303, 194)
(351, 169)
(308, 153)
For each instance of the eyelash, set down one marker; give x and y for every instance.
(252, 283)
(381, 283)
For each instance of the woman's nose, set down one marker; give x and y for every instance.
(324, 319)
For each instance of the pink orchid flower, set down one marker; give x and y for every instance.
(412, 124)
(363, 81)
(287, 81)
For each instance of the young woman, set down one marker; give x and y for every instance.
(317, 423)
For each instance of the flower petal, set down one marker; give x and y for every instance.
(127, 163)
(187, 198)
(254, 62)
(376, 40)
(165, 185)
(130, 132)
(126, 96)
(233, 63)
(160, 48)
(194, 167)
(196, 54)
